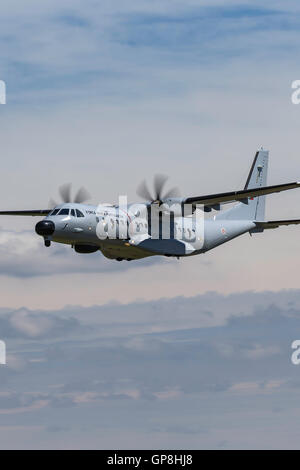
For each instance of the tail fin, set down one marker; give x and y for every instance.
(251, 209)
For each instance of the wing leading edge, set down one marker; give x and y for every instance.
(34, 213)
(239, 196)
(207, 200)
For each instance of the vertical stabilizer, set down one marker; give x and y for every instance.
(251, 209)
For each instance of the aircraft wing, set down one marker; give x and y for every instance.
(277, 223)
(242, 196)
(33, 213)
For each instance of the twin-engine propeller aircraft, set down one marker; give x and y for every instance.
(166, 225)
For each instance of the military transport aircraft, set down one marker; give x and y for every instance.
(166, 225)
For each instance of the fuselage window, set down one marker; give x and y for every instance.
(54, 212)
(79, 214)
(64, 212)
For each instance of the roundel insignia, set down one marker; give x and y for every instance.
(223, 230)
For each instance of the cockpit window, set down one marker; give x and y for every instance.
(54, 212)
(64, 212)
(79, 214)
(73, 212)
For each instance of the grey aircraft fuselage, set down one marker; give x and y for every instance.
(189, 238)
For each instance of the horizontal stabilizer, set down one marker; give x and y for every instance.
(277, 223)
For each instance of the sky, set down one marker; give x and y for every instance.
(158, 353)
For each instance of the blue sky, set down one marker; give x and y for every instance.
(63, 50)
(157, 353)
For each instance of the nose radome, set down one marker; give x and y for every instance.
(45, 227)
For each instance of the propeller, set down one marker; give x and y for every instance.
(158, 184)
(82, 195)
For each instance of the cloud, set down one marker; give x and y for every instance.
(82, 364)
(23, 255)
(25, 324)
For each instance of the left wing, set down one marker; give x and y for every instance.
(40, 212)
(242, 196)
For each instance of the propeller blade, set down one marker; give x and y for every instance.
(52, 203)
(173, 192)
(82, 195)
(144, 192)
(65, 192)
(159, 182)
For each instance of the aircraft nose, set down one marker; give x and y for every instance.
(45, 227)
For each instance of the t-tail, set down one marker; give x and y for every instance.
(254, 208)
